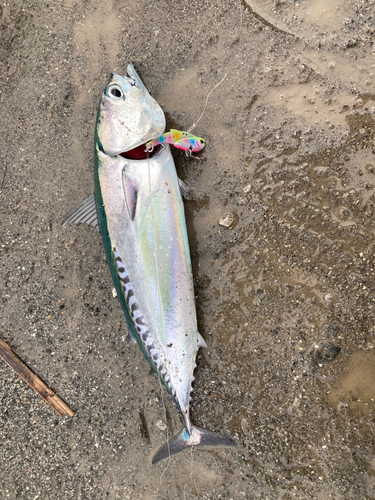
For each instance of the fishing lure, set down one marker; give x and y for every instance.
(180, 140)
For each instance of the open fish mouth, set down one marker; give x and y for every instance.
(140, 153)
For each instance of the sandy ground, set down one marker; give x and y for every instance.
(290, 154)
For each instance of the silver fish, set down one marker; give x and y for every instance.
(137, 207)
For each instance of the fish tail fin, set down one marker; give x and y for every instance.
(198, 437)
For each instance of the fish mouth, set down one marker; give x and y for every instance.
(140, 153)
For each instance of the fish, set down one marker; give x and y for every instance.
(137, 207)
(180, 140)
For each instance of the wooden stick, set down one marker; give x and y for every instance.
(34, 381)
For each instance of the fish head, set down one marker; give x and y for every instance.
(127, 116)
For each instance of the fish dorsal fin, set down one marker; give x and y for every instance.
(131, 189)
(85, 212)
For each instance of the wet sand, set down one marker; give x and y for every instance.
(285, 298)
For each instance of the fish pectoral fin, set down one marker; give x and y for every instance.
(201, 342)
(131, 188)
(85, 212)
(184, 188)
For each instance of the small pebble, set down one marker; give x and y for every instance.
(229, 221)
(226, 221)
(161, 425)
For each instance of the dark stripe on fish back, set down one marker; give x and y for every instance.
(127, 289)
(137, 317)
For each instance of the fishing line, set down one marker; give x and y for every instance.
(216, 86)
(205, 106)
(191, 471)
(157, 279)
(189, 130)
(156, 300)
(167, 433)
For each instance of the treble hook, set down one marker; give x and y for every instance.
(190, 155)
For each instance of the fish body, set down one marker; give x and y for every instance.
(179, 139)
(143, 225)
(139, 212)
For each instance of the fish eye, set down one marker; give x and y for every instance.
(202, 141)
(114, 91)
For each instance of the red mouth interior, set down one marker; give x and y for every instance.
(138, 153)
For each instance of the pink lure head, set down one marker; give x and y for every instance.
(191, 143)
